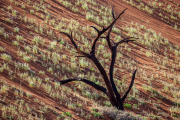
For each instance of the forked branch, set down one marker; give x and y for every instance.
(104, 30)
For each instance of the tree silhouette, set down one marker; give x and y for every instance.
(111, 91)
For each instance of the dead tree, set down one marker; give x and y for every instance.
(111, 91)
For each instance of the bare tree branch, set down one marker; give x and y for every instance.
(113, 14)
(121, 14)
(94, 43)
(130, 86)
(97, 87)
(113, 58)
(106, 79)
(126, 40)
(108, 38)
(95, 29)
(111, 70)
(70, 37)
(73, 42)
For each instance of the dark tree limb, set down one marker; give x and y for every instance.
(126, 40)
(113, 52)
(97, 87)
(113, 14)
(75, 45)
(104, 30)
(113, 58)
(106, 80)
(70, 37)
(108, 38)
(95, 29)
(130, 86)
(111, 70)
